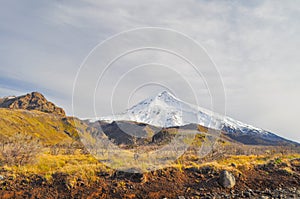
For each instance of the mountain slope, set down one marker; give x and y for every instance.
(48, 128)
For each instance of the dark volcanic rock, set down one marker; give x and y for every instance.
(126, 132)
(162, 137)
(31, 101)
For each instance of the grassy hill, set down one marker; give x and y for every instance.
(50, 129)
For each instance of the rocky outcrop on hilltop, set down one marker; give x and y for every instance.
(31, 101)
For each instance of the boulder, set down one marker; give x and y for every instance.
(227, 179)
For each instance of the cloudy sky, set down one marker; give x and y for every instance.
(254, 44)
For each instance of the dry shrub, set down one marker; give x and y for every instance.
(55, 149)
(19, 149)
(65, 148)
(71, 148)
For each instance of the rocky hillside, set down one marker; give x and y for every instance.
(31, 101)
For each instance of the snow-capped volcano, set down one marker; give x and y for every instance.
(165, 110)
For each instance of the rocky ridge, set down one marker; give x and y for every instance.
(32, 101)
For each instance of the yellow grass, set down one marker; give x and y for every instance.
(45, 127)
(86, 167)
